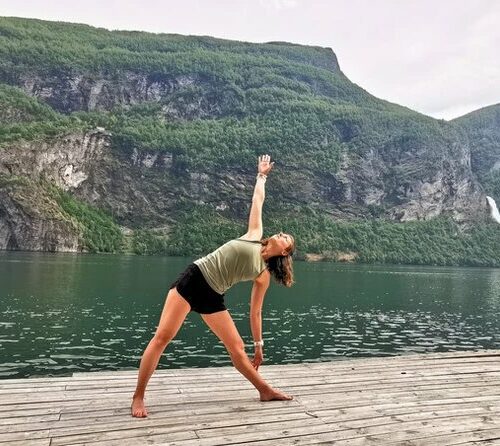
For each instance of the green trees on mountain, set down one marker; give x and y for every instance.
(26, 118)
(99, 233)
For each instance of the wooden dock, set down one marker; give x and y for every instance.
(432, 399)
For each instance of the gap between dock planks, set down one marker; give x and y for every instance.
(424, 399)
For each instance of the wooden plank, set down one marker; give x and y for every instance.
(367, 418)
(265, 436)
(395, 433)
(190, 408)
(329, 394)
(26, 419)
(365, 397)
(23, 411)
(397, 410)
(342, 365)
(328, 439)
(39, 442)
(159, 419)
(13, 385)
(323, 401)
(354, 378)
(310, 386)
(158, 400)
(62, 396)
(477, 436)
(283, 381)
(220, 429)
(23, 436)
(103, 438)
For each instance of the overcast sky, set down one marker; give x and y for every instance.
(439, 57)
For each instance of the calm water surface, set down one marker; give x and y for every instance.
(63, 313)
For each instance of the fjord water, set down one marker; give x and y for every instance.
(63, 313)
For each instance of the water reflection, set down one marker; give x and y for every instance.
(61, 313)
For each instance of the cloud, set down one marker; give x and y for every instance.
(279, 5)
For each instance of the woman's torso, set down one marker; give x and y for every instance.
(235, 261)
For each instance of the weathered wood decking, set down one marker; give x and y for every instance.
(432, 399)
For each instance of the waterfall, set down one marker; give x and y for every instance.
(494, 210)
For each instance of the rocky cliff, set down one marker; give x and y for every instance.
(30, 219)
(482, 128)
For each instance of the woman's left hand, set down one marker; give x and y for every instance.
(258, 358)
(265, 165)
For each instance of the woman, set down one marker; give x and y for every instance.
(201, 288)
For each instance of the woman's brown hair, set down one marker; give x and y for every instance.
(281, 267)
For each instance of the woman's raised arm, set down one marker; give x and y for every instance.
(255, 229)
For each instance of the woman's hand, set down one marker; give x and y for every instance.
(265, 164)
(258, 358)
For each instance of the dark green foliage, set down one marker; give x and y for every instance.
(148, 242)
(99, 233)
(50, 46)
(482, 128)
(201, 230)
(16, 106)
(12, 180)
(438, 241)
(25, 118)
(491, 185)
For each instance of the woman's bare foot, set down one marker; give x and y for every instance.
(138, 408)
(273, 394)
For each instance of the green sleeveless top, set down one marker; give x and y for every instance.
(235, 261)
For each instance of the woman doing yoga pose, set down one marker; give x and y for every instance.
(201, 287)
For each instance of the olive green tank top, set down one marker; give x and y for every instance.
(235, 261)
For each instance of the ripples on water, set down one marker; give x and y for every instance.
(326, 334)
(64, 329)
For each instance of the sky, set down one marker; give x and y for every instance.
(438, 57)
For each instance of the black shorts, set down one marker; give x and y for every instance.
(193, 287)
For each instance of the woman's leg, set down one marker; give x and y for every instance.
(174, 312)
(222, 324)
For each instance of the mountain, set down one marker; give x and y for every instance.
(483, 130)
(117, 141)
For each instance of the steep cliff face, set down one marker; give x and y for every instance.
(408, 188)
(415, 184)
(66, 161)
(30, 218)
(67, 91)
(482, 128)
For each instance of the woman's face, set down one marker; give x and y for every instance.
(282, 242)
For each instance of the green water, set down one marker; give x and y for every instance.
(63, 313)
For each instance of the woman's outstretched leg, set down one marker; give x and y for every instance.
(222, 324)
(174, 312)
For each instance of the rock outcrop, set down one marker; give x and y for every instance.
(30, 219)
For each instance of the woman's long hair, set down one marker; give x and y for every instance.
(281, 267)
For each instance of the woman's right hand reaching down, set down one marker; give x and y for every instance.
(265, 165)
